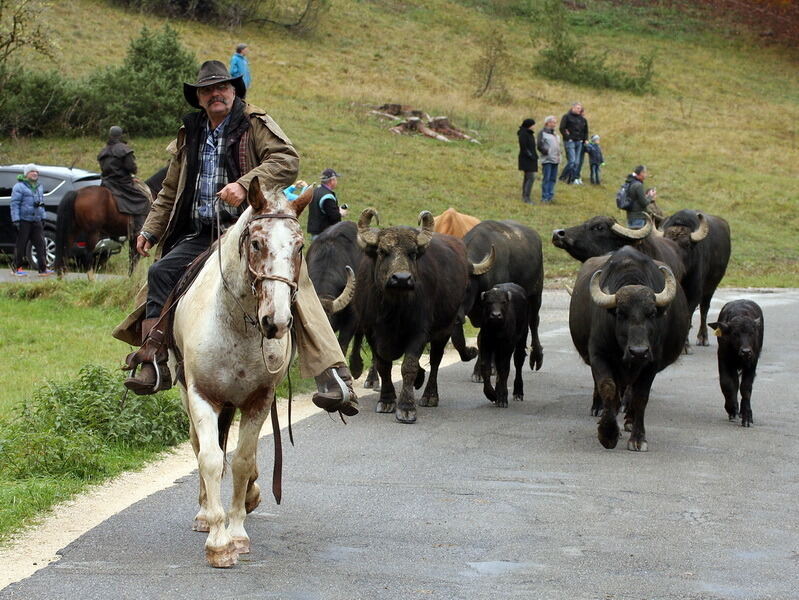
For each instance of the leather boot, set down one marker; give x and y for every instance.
(335, 391)
(154, 375)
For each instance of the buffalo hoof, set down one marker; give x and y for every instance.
(518, 397)
(746, 420)
(596, 410)
(242, 545)
(405, 415)
(200, 525)
(637, 445)
(253, 498)
(702, 342)
(419, 381)
(536, 361)
(428, 401)
(731, 416)
(608, 434)
(628, 425)
(502, 402)
(386, 406)
(469, 354)
(477, 378)
(372, 381)
(223, 557)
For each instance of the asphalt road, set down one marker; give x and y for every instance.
(478, 502)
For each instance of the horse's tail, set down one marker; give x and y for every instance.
(224, 420)
(66, 215)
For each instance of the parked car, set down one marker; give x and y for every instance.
(57, 181)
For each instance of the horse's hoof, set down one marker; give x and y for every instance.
(200, 525)
(242, 545)
(637, 445)
(428, 401)
(223, 557)
(406, 415)
(386, 406)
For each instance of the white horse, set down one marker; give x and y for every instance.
(230, 362)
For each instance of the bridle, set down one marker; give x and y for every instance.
(255, 275)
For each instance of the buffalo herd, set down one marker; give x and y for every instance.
(406, 288)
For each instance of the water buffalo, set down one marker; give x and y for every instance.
(411, 285)
(704, 242)
(332, 259)
(740, 333)
(600, 235)
(518, 260)
(628, 320)
(503, 333)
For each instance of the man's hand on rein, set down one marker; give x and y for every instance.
(232, 194)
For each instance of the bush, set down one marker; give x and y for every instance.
(69, 428)
(37, 102)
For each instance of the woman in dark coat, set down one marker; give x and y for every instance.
(528, 157)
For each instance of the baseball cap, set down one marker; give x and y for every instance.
(329, 174)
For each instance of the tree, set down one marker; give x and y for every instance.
(21, 27)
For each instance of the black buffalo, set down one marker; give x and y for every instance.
(411, 285)
(628, 320)
(518, 260)
(599, 235)
(332, 259)
(740, 332)
(503, 334)
(704, 242)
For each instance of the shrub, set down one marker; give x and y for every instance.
(37, 102)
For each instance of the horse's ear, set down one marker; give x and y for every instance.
(303, 200)
(255, 196)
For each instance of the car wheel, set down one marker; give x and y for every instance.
(49, 249)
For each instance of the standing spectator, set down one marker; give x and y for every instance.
(27, 214)
(528, 159)
(239, 65)
(549, 147)
(595, 158)
(640, 201)
(574, 129)
(324, 211)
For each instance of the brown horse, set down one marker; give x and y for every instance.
(92, 212)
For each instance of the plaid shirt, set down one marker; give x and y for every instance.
(212, 176)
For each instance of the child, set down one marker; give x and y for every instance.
(595, 158)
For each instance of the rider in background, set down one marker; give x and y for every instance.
(118, 166)
(219, 150)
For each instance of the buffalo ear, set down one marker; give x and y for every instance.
(717, 327)
(255, 195)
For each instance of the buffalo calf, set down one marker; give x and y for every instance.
(740, 333)
(504, 333)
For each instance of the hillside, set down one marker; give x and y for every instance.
(720, 133)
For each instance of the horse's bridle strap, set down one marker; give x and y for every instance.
(261, 276)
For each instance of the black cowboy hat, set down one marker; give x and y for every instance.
(212, 72)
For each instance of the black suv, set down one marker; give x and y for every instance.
(57, 181)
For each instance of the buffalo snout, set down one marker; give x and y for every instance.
(558, 236)
(496, 316)
(401, 280)
(746, 353)
(639, 352)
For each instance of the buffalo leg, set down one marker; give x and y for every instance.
(638, 401)
(728, 380)
(747, 379)
(536, 351)
(608, 428)
(388, 396)
(701, 335)
(356, 361)
(502, 360)
(466, 353)
(430, 394)
(484, 360)
(406, 404)
(518, 363)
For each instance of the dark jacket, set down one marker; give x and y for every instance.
(528, 157)
(638, 198)
(118, 167)
(323, 210)
(594, 153)
(573, 127)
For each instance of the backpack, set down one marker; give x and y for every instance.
(622, 197)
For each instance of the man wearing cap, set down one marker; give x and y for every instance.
(324, 211)
(27, 215)
(118, 166)
(217, 153)
(239, 65)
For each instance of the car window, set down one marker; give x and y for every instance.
(50, 184)
(7, 181)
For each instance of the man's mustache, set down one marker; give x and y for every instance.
(217, 99)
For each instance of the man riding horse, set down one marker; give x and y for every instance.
(217, 153)
(118, 166)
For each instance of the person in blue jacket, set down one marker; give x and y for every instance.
(27, 215)
(239, 65)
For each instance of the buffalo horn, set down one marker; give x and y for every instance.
(702, 230)
(600, 298)
(484, 266)
(346, 294)
(664, 298)
(633, 234)
(367, 236)
(427, 223)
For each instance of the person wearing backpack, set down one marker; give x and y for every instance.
(548, 144)
(634, 199)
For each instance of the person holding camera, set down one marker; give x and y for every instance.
(640, 201)
(324, 210)
(27, 215)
